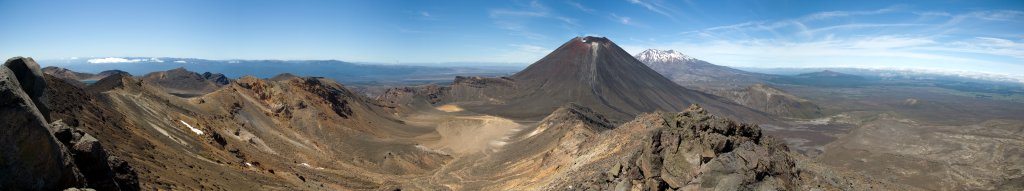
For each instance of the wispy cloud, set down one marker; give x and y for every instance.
(579, 6)
(656, 6)
(620, 19)
(982, 45)
(889, 42)
(859, 26)
(932, 39)
(799, 24)
(516, 20)
(834, 14)
(932, 13)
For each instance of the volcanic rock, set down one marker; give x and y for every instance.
(33, 159)
(696, 150)
(31, 80)
(91, 159)
(217, 78)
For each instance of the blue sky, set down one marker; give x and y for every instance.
(985, 36)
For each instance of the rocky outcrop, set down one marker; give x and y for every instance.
(32, 157)
(574, 112)
(48, 156)
(217, 78)
(92, 161)
(100, 170)
(409, 96)
(694, 150)
(332, 94)
(31, 80)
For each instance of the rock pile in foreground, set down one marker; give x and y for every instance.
(43, 155)
(695, 150)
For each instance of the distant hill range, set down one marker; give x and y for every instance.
(348, 72)
(64, 73)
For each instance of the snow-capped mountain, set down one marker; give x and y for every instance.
(655, 55)
(696, 73)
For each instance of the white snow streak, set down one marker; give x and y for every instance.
(194, 130)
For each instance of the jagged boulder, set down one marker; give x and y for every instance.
(32, 159)
(31, 79)
(38, 155)
(697, 150)
(92, 161)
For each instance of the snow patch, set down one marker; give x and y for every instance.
(194, 130)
